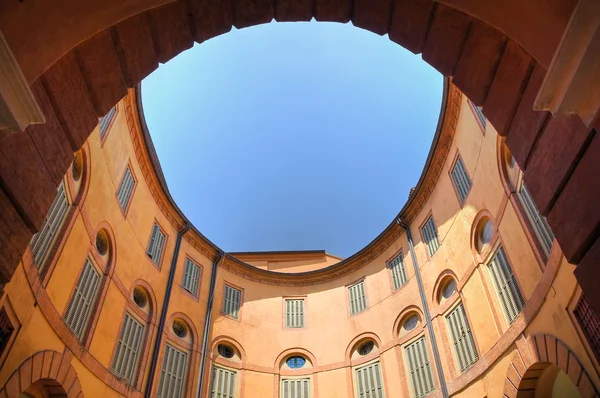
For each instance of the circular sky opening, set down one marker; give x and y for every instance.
(293, 136)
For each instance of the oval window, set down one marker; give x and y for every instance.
(179, 329)
(139, 297)
(225, 351)
(366, 348)
(411, 323)
(295, 362)
(449, 289)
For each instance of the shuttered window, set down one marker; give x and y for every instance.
(420, 369)
(479, 114)
(356, 295)
(294, 313)
(125, 189)
(506, 285)
(396, 267)
(589, 324)
(191, 276)
(461, 179)
(223, 383)
(430, 236)
(369, 383)
(126, 357)
(172, 375)
(105, 121)
(43, 240)
(6, 330)
(156, 244)
(232, 301)
(83, 299)
(295, 388)
(462, 338)
(539, 223)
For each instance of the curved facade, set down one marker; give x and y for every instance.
(119, 295)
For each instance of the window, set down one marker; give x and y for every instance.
(156, 244)
(369, 382)
(506, 285)
(589, 324)
(125, 361)
(231, 302)
(83, 299)
(420, 369)
(478, 113)
(43, 240)
(462, 338)
(294, 313)
(539, 223)
(6, 330)
(295, 362)
(191, 276)
(398, 272)
(358, 301)
(225, 351)
(179, 329)
(105, 121)
(295, 388)
(366, 348)
(223, 383)
(430, 236)
(172, 374)
(125, 189)
(461, 179)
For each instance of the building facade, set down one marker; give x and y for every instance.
(466, 293)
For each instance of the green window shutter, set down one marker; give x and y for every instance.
(105, 121)
(506, 285)
(191, 277)
(358, 300)
(125, 189)
(420, 369)
(462, 338)
(398, 271)
(173, 372)
(430, 236)
(369, 383)
(43, 240)
(83, 299)
(223, 383)
(126, 357)
(539, 223)
(461, 179)
(295, 388)
(232, 301)
(294, 313)
(156, 244)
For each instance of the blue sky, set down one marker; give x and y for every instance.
(293, 136)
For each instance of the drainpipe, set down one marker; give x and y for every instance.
(207, 320)
(163, 314)
(436, 353)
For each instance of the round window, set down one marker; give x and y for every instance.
(102, 242)
(366, 348)
(486, 232)
(179, 329)
(295, 362)
(139, 297)
(77, 166)
(225, 351)
(449, 289)
(411, 323)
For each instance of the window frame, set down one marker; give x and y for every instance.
(531, 225)
(458, 158)
(482, 123)
(189, 364)
(222, 309)
(349, 304)
(284, 312)
(491, 256)
(453, 347)
(157, 264)
(308, 377)
(109, 125)
(128, 166)
(11, 315)
(195, 295)
(139, 360)
(356, 368)
(428, 217)
(236, 372)
(399, 253)
(407, 367)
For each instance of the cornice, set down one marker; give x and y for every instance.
(154, 178)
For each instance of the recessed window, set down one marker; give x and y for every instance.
(462, 338)
(179, 329)
(191, 276)
(356, 295)
(430, 236)
(128, 347)
(368, 381)
(295, 362)
(449, 288)
(589, 324)
(295, 388)
(105, 122)
(171, 383)
(505, 282)
(366, 348)
(294, 313)
(156, 244)
(223, 383)
(232, 301)
(461, 179)
(487, 231)
(225, 351)
(419, 367)
(396, 267)
(125, 189)
(139, 297)
(77, 166)
(540, 225)
(83, 299)
(411, 323)
(6, 330)
(102, 242)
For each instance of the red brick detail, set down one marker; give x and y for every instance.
(562, 356)
(56, 360)
(293, 10)
(49, 138)
(510, 391)
(38, 359)
(3, 394)
(410, 22)
(575, 217)
(527, 123)
(13, 387)
(170, 27)
(46, 364)
(585, 387)
(333, 10)
(373, 15)
(25, 371)
(14, 237)
(71, 100)
(479, 60)
(135, 48)
(75, 390)
(551, 344)
(508, 86)
(211, 18)
(574, 371)
(513, 376)
(518, 364)
(69, 379)
(65, 364)
(540, 345)
(548, 169)
(586, 273)
(252, 12)
(446, 38)
(26, 179)
(99, 63)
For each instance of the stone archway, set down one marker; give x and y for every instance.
(529, 363)
(496, 52)
(47, 371)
